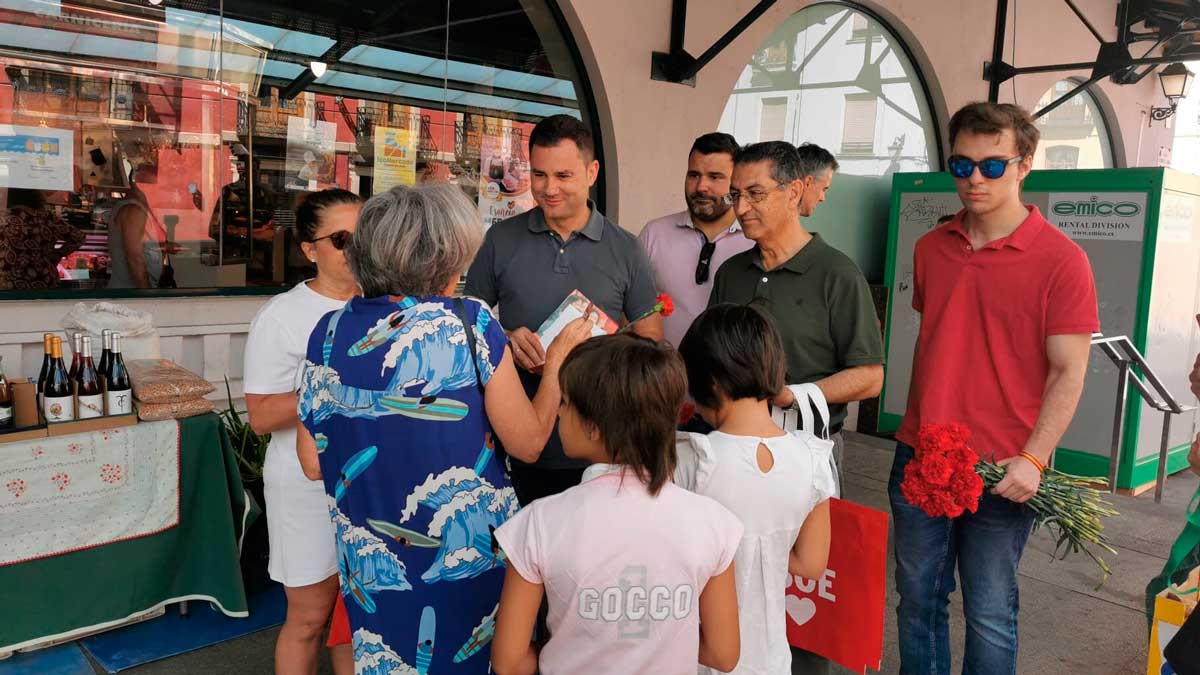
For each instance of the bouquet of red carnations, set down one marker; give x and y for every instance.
(947, 478)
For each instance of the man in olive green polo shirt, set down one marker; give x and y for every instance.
(818, 297)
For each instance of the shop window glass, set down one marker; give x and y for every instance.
(145, 146)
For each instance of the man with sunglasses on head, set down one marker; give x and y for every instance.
(817, 296)
(1008, 306)
(687, 248)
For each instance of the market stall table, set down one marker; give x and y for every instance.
(179, 542)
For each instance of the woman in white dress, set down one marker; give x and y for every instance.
(302, 547)
(776, 483)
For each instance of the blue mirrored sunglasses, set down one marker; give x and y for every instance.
(991, 168)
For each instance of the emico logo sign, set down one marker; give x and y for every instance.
(1112, 216)
(1095, 207)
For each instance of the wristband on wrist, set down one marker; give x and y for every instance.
(1033, 460)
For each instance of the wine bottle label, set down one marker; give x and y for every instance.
(58, 408)
(91, 406)
(120, 402)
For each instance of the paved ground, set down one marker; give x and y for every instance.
(1066, 625)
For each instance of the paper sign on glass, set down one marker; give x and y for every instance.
(572, 308)
(37, 158)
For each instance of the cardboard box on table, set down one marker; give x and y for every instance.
(30, 425)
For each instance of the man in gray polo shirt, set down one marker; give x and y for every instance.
(529, 263)
(819, 299)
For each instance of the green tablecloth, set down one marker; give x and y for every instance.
(69, 594)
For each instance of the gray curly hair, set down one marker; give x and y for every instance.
(414, 240)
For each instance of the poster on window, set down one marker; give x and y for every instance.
(503, 173)
(395, 158)
(37, 158)
(310, 154)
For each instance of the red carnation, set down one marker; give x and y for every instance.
(936, 469)
(663, 304)
(686, 413)
(666, 306)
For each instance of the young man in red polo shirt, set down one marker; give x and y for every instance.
(1008, 305)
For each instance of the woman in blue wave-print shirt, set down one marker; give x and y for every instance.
(400, 394)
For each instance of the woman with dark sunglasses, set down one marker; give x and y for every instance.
(302, 553)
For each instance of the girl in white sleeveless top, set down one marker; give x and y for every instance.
(777, 483)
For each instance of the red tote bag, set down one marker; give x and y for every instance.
(840, 615)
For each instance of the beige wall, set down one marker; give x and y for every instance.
(648, 125)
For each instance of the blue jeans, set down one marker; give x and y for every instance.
(986, 546)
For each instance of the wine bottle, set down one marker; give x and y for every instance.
(77, 346)
(7, 420)
(58, 401)
(105, 354)
(87, 389)
(119, 398)
(47, 342)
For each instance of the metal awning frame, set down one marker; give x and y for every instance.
(1112, 60)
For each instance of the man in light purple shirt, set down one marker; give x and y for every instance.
(687, 248)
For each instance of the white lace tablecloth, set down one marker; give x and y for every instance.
(68, 493)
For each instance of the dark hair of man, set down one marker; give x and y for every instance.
(716, 142)
(308, 214)
(785, 161)
(992, 118)
(558, 128)
(815, 160)
(631, 389)
(735, 349)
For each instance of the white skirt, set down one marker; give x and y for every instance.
(301, 535)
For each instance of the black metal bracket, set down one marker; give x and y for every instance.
(678, 65)
(1159, 114)
(1112, 59)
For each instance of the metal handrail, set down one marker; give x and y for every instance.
(1124, 355)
